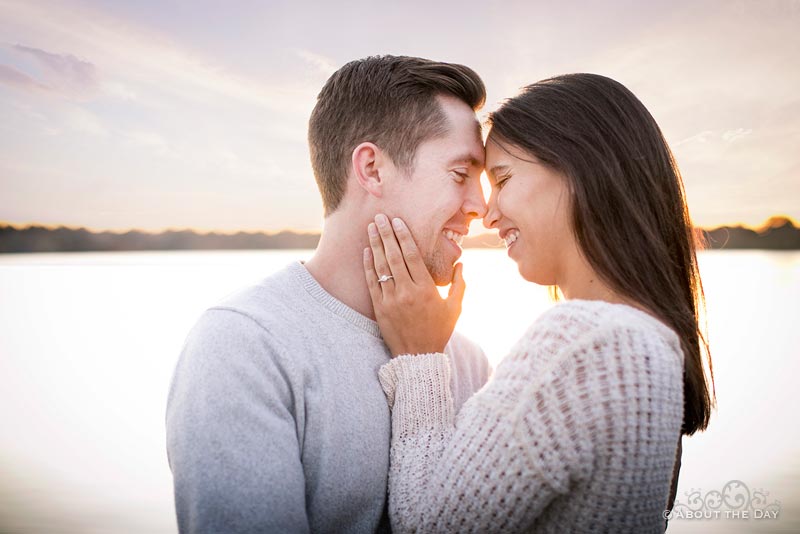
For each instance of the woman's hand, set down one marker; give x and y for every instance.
(413, 317)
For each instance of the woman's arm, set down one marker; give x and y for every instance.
(513, 449)
(479, 474)
(529, 434)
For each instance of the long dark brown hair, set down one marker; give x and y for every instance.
(629, 212)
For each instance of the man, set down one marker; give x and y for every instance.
(276, 421)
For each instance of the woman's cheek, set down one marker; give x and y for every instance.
(501, 205)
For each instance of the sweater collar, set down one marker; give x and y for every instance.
(332, 303)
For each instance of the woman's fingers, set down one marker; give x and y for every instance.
(375, 291)
(457, 288)
(394, 256)
(411, 255)
(382, 268)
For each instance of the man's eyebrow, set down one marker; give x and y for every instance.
(467, 158)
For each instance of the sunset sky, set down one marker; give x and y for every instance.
(193, 114)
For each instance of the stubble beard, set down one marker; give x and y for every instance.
(440, 268)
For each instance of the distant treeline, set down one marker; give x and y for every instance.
(62, 239)
(779, 233)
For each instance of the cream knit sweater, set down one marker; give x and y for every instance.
(576, 432)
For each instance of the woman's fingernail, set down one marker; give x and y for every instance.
(366, 253)
(397, 223)
(381, 220)
(372, 229)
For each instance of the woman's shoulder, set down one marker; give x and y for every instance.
(574, 323)
(577, 318)
(589, 343)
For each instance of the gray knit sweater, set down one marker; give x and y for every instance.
(576, 432)
(276, 421)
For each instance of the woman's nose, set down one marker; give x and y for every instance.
(492, 213)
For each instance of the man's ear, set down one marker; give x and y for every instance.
(369, 162)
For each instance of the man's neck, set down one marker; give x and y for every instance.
(338, 265)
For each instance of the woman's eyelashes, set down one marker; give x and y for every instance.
(501, 181)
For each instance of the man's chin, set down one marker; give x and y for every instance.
(441, 272)
(441, 282)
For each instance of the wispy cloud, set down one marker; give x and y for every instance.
(732, 135)
(135, 57)
(83, 121)
(701, 137)
(65, 69)
(45, 72)
(323, 64)
(728, 136)
(15, 78)
(146, 139)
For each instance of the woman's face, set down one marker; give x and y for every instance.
(530, 206)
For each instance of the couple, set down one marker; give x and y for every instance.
(278, 420)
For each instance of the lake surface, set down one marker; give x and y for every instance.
(88, 343)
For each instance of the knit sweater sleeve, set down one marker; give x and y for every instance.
(516, 445)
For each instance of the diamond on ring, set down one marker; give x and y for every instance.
(385, 278)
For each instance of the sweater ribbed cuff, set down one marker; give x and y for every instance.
(417, 388)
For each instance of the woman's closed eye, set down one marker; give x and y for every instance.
(501, 181)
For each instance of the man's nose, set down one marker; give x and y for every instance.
(474, 205)
(492, 213)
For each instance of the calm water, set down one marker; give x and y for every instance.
(88, 343)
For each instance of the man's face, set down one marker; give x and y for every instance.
(443, 194)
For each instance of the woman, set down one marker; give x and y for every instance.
(580, 426)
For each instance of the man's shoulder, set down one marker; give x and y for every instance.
(274, 297)
(249, 326)
(265, 308)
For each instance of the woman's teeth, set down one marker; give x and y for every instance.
(511, 236)
(453, 236)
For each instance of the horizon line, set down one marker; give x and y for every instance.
(206, 231)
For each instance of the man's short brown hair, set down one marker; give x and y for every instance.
(386, 100)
